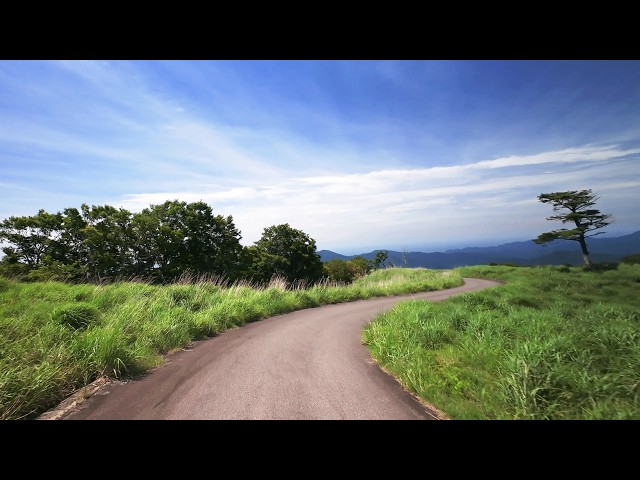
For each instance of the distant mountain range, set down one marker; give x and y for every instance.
(559, 252)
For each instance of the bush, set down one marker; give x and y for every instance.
(57, 272)
(339, 270)
(76, 315)
(631, 259)
(14, 270)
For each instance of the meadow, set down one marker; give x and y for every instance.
(553, 342)
(57, 337)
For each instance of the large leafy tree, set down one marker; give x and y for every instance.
(160, 233)
(575, 208)
(33, 238)
(74, 234)
(212, 242)
(177, 237)
(106, 239)
(288, 252)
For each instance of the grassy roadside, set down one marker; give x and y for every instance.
(552, 343)
(56, 337)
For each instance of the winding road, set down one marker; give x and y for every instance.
(309, 364)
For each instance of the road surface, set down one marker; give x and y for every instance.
(309, 364)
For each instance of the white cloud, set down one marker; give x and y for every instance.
(570, 155)
(429, 205)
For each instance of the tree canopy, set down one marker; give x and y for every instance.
(158, 244)
(287, 252)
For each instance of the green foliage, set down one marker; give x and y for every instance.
(57, 271)
(75, 315)
(346, 271)
(5, 284)
(10, 267)
(95, 243)
(575, 207)
(32, 237)
(421, 279)
(379, 260)
(179, 237)
(631, 259)
(552, 343)
(107, 240)
(264, 265)
(160, 244)
(287, 252)
(57, 337)
(338, 270)
(360, 265)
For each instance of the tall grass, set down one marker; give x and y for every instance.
(56, 338)
(552, 343)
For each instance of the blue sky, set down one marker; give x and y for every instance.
(417, 155)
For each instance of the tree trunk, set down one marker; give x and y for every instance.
(585, 253)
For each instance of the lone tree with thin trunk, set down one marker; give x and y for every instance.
(575, 205)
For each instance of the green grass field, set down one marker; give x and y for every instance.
(551, 343)
(56, 337)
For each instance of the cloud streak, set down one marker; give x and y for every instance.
(429, 206)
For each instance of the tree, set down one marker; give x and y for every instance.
(160, 243)
(339, 270)
(361, 265)
(575, 207)
(286, 251)
(106, 238)
(33, 237)
(378, 261)
(177, 237)
(211, 242)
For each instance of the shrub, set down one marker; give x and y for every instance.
(631, 259)
(57, 271)
(339, 270)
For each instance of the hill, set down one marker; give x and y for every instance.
(520, 253)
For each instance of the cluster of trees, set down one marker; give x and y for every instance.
(346, 271)
(163, 242)
(158, 244)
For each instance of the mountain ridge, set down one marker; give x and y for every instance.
(559, 252)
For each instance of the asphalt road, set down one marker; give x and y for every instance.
(308, 364)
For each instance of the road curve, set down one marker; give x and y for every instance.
(309, 364)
